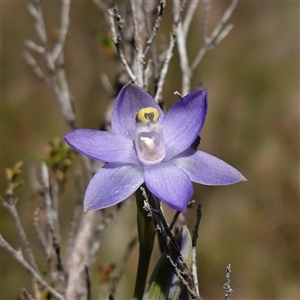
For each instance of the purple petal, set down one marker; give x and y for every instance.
(129, 101)
(207, 169)
(102, 145)
(112, 184)
(183, 122)
(170, 184)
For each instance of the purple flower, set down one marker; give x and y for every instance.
(149, 146)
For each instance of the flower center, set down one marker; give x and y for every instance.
(149, 139)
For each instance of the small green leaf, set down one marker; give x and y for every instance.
(18, 184)
(9, 174)
(105, 40)
(14, 172)
(59, 158)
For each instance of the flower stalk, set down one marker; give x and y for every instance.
(146, 232)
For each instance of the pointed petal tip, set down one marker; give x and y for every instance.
(207, 169)
(239, 177)
(65, 138)
(243, 178)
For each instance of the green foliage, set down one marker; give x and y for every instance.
(59, 157)
(12, 176)
(104, 39)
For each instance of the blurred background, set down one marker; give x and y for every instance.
(252, 79)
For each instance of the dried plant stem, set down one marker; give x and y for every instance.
(160, 11)
(56, 80)
(11, 206)
(65, 20)
(18, 256)
(40, 233)
(194, 251)
(116, 21)
(85, 247)
(164, 233)
(189, 15)
(164, 70)
(220, 31)
(227, 288)
(218, 34)
(186, 284)
(181, 44)
(26, 294)
(138, 44)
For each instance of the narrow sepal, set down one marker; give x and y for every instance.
(207, 169)
(183, 122)
(130, 100)
(102, 145)
(112, 184)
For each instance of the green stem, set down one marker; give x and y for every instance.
(146, 232)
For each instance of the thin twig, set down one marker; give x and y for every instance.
(181, 44)
(64, 24)
(98, 234)
(164, 70)
(227, 14)
(196, 228)
(36, 13)
(189, 16)
(18, 256)
(164, 232)
(218, 34)
(138, 44)
(116, 20)
(226, 287)
(186, 284)
(35, 68)
(40, 234)
(160, 10)
(194, 252)
(147, 74)
(54, 189)
(48, 205)
(206, 13)
(57, 80)
(136, 27)
(26, 294)
(85, 243)
(35, 47)
(59, 265)
(24, 240)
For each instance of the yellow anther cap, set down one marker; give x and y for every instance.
(148, 115)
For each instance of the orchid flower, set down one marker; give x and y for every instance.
(148, 146)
